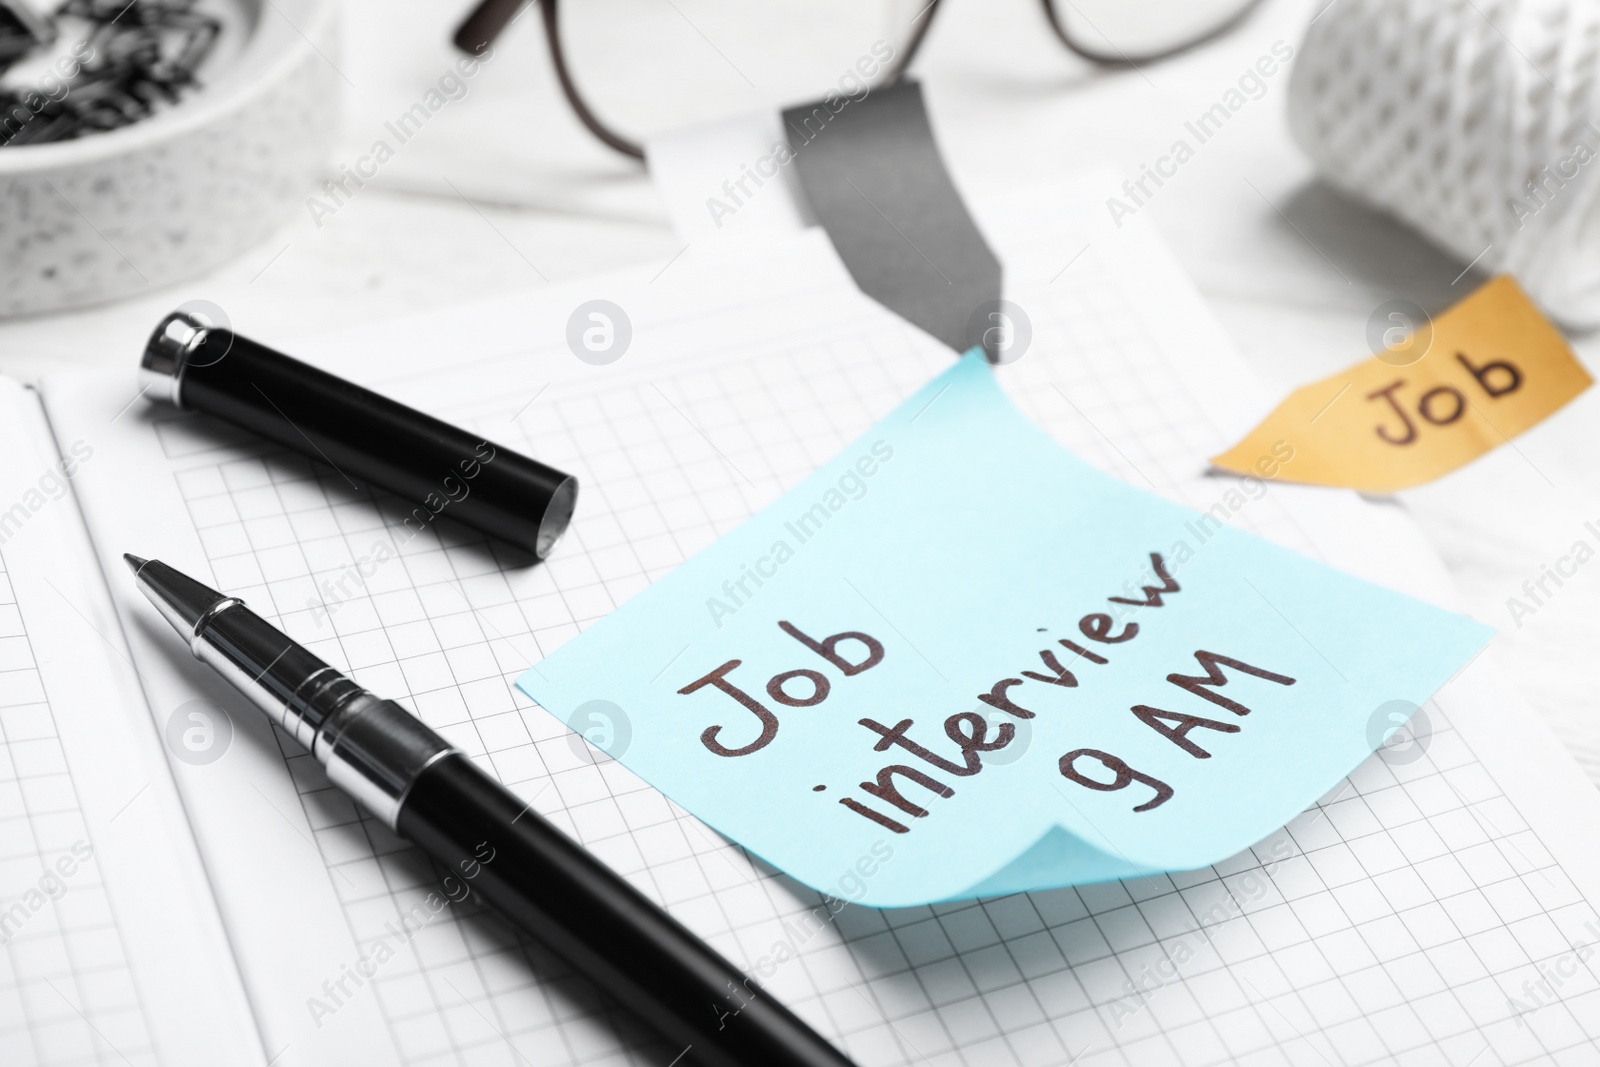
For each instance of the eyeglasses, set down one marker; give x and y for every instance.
(804, 47)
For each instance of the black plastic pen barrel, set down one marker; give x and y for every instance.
(440, 469)
(433, 795)
(604, 927)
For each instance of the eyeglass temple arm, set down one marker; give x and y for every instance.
(924, 22)
(486, 22)
(1119, 58)
(558, 57)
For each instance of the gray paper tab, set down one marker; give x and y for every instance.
(876, 181)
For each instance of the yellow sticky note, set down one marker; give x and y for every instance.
(1492, 368)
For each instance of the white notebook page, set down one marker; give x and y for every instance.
(1394, 920)
(111, 951)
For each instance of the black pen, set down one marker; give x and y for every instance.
(434, 796)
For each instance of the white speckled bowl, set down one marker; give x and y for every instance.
(113, 214)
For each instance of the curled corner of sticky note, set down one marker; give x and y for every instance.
(1453, 389)
(1057, 860)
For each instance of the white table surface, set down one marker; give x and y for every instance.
(1292, 269)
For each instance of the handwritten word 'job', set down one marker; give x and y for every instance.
(1444, 404)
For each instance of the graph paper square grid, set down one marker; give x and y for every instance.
(1410, 916)
(67, 995)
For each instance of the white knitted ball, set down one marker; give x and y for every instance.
(1476, 121)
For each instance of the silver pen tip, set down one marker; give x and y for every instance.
(180, 599)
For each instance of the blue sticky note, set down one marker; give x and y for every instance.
(958, 662)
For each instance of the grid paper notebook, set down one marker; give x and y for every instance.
(96, 861)
(62, 955)
(1405, 917)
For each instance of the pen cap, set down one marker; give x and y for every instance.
(442, 470)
